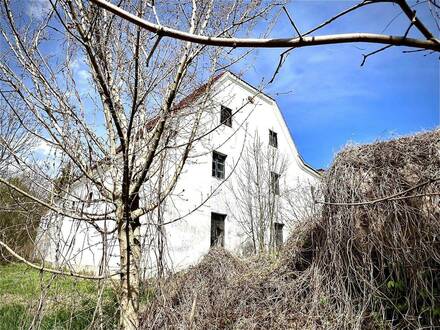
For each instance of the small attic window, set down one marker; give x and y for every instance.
(226, 116)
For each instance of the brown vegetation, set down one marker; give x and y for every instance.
(370, 259)
(19, 220)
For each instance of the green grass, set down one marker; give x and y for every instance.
(69, 303)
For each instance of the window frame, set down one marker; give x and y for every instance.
(273, 139)
(278, 234)
(220, 220)
(172, 133)
(216, 172)
(225, 119)
(89, 198)
(275, 183)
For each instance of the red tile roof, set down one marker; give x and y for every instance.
(188, 100)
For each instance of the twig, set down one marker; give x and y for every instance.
(153, 49)
(293, 23)
(53, 271)
(372, 53)
(387, 198)
(386, 47)
(193, 310)
(415, 20)
(283, 57)
(342, 13)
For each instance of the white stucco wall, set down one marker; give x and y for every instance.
(188, 239)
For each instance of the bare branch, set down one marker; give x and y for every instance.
(305, 41)
(416, 21)
(374, 52)
(396, 196)
(54, 271)
(292, 22)
(283, 57)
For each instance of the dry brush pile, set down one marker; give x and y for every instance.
(370, 259)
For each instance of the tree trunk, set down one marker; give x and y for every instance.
(130, 256)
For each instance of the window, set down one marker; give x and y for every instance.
(140, 134)
(273, 139)
(217, 229)
(89, 198)
(275, 183)
(218, 165)
(172, 134)
(278, 228)
(226, 116)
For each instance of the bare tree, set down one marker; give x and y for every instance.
(14, 140)
(104, 95)
(257, 194)
(266, 197)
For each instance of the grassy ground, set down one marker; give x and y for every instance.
(69, 303)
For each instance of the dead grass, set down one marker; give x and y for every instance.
(369, 260)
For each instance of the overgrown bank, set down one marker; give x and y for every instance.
(369, 260)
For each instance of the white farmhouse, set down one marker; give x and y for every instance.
(205, 207)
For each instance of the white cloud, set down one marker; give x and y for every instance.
(43, 148)
(38, 9)
(74, 64)
(84, 74)
(81, 73)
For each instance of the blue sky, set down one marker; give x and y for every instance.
(335, 101)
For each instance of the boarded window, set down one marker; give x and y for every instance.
(278, 228)
(273, 139)
(217, 229)
(275, 183)
(218, 165)
(226, 116)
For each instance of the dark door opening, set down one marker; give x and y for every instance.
(278, 228)
(218, 229)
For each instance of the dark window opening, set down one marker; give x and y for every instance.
(218, 229)
(89, 198)
(275, 183)
(218, 165)
(278, 228)
(226, 116)
(172, 134)
(171, 137)
(273, 139)
(140, 134)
